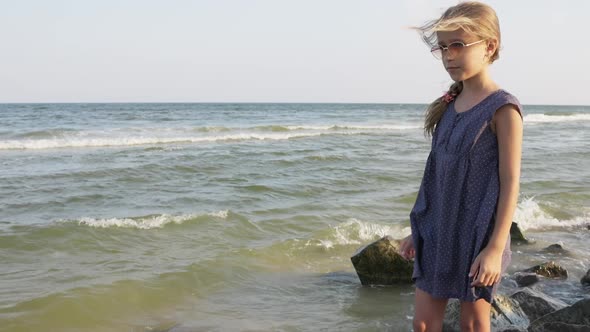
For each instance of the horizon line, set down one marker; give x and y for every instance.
(247, 102)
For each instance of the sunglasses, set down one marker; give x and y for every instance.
(452, 49)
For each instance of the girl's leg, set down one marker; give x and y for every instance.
(429, 312)
(475, 316)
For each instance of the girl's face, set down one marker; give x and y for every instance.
(466, 62)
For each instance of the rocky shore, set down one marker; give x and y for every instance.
(527, 308)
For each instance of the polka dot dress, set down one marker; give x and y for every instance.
(453, 217)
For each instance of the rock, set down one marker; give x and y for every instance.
(549, 270)
(379, 263)
(452, 322)
(586, 279)
(524, 279)
(572, 318)
(536, 304)
(562, 327)
(555, 249)
(516, 235)
(506, 315)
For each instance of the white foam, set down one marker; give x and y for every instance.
(116, 137)
(355, 231)
(544, 118)
(150, 222)
(76, 142)
(530, 216)
(357, 127)
(219, 214)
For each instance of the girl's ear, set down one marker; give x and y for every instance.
(492, 46)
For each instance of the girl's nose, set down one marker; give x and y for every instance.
(447, 56)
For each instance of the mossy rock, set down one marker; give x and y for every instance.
(549, 270)
(379, 263)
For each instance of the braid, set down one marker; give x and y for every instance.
(436, 109)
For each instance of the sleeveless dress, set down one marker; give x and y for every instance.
(454, 214)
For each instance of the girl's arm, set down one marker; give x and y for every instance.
(487, 265)
(509, 130)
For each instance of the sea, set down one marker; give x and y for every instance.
(244, 216)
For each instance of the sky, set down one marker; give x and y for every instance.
(341, 51)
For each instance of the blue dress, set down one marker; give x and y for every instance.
(453, 217)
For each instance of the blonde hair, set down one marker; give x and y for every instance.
(472, 17)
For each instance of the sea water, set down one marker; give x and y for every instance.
(190, 217)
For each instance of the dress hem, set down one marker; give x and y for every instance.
(453, 296)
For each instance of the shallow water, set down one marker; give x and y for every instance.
(146, 217)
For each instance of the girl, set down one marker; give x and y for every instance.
(461, 218)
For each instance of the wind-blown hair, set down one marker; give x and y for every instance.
(474, 18)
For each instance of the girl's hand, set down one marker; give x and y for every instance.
(406, 247)
(486, 268)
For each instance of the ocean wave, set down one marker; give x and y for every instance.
(53, 139)
(549, 118)
(214, 129)
(79, 142)
(147, 222)
(355, 231)
(47, 133)
(338, 127)
(530, 216)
